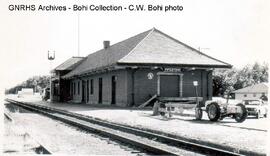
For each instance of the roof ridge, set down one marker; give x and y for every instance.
(190, 47)
(117, 43)
(132, 50)
(78, 57)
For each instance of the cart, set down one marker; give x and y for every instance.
(216, 110)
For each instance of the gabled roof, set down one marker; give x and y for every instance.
(147, 48)
(257, 88)
(69, 64)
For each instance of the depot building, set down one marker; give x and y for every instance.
(130, 72)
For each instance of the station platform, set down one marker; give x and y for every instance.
(251, 135)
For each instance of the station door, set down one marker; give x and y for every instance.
(169, 85)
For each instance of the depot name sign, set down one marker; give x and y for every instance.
(172, 70)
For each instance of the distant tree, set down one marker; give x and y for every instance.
(223, 81)
(35, 82)
(228, 80)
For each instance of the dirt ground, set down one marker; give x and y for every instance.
(28, 131)
(250, 135)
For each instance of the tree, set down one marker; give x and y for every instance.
(35, 82)
(227, 80)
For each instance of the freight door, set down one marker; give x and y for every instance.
(169, 85)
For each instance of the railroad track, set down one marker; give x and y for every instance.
(149, 141)
(39, 150)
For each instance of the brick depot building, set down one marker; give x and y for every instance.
(130, 72)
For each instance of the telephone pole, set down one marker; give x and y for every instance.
(51, 57)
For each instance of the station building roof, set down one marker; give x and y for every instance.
(69, 64)
(257, 88)
(151, 47)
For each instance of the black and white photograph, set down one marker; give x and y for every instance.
(138, 78)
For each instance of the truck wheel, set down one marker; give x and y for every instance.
(258, 115)
(198, 113)
(240, 117)
(213, 111)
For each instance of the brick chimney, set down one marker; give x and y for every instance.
(106, 44)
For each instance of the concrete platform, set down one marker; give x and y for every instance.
(250, 135)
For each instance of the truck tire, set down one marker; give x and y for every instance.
(198, 113)
(258, 115)
(213, 111)
(241, 117)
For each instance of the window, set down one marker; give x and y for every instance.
(74, 88)
(71, 88)
(91, 86)
(245, 95)
(78, 87)
(254, 95)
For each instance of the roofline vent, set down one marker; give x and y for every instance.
(106, 44)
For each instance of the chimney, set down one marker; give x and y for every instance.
(106, 44)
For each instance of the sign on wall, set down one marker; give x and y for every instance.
(150, 76)
(172, 70)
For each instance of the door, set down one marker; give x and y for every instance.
(169, 85)
(83, 87)
(113, 90)
(87, 91)
(100, 90)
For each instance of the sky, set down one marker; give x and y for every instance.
(236, 32)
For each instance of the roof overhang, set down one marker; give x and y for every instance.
(175, 65)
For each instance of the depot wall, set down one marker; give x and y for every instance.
(135, 86)
(121, 88)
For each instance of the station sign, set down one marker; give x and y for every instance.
(173, 70)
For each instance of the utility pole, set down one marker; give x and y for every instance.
(78, 27)
(51, 58)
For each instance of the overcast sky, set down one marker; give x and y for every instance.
(236, 32)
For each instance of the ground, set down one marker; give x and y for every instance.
(28, 131)
(249, 136)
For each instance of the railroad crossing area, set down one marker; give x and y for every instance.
(226, 134)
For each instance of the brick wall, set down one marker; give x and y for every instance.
(144, 88)
(121, 88)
